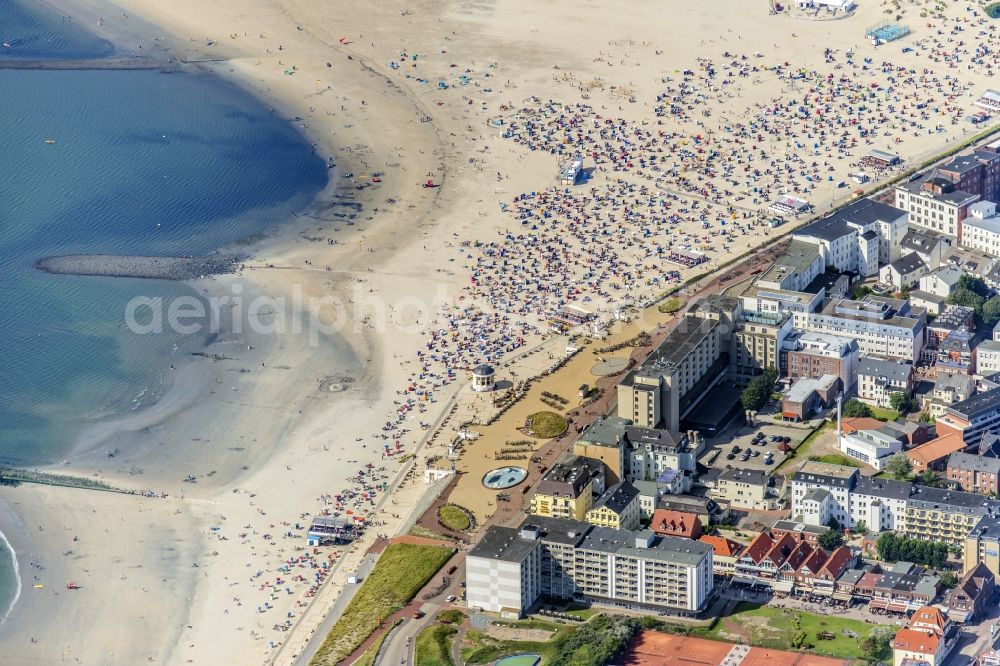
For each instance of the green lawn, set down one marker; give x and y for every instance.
(837, 459)
(451, 616)
(592, 643)
(672, 304)
(399, 574)
(546, 425)
(454, 518)
(802, 450)
(777, 628)
(481, 649)
(884, 414)
(421, 531)
(433, 646)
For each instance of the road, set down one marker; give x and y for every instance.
(398, 648)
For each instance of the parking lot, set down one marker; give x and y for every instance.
(736, 440)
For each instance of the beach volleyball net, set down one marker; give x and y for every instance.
(887, 31)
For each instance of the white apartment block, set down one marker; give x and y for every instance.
(821, 491)
(857, 237)
(988, 358)
(882, 326)
(981, 229)
(635, 570)
(935, 205)
(878, 379)
(503, 572)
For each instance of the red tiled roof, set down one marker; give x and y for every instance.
(916, 640)
(675, 523)
(759, 547)
(850, 425)
(870, 579)
(838, 561)
(798, 556)
(722, 546)
(781, 549)
(937, 448)
(930, 617)
(815, 561)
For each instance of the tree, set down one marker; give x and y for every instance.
(854, 408)
(973, 284)
(949, 580)
(861, 291)
(968, 298)
(758, 391)
(929, 478)
(901, 402)
(831, 539)
(860, 527)
(877, 645)
(899, 466)
(893, 548)
(991, 312)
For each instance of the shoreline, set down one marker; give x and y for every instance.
(17, 577)
(166, 408)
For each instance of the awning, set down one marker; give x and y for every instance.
(877, 604)
(743, 580)
(842, 596)
(823, 591)
(783, 585)
(897, 607)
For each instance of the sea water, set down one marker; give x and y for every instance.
(118, 162)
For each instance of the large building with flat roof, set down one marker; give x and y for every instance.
(503, 572)
(604, 440)
(935, 203)
(667, 384)
(884, 327)
(821, 491)
(973, 417)
(816, 354)
(857, 237)
(981, 229)
(569, 559)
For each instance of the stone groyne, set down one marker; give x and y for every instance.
(156, 268)
(96, 63)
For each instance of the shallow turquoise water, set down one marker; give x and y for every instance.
(142, 163)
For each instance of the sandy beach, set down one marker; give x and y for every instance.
(482, 100)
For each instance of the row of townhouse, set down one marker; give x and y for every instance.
(786, 564)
